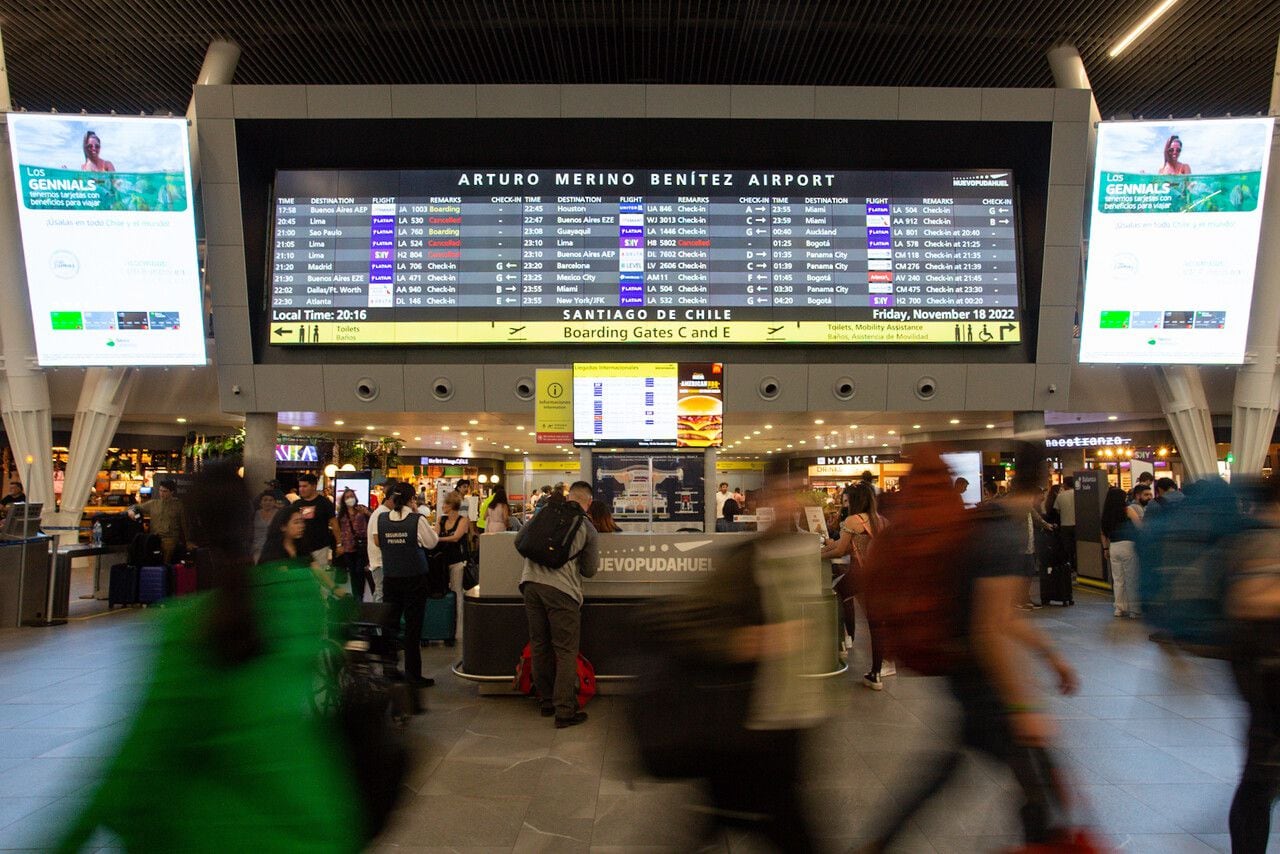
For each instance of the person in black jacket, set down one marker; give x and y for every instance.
(402, 534)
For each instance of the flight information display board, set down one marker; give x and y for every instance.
(644, 256)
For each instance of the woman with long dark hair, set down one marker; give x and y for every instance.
(499, 518)
(224, 728)
(1120, 524)
(601, 516)
(859, 528)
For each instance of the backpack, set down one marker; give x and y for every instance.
(145, 550)
(586, 683)
(548, 538)
(911, 586)
(1184, 565)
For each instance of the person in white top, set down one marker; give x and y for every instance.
(1066, 507)
(721, 497)
(375, 553)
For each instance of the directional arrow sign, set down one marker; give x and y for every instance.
(282, 331)
(1007, 327)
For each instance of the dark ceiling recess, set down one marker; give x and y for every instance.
(1205, 56)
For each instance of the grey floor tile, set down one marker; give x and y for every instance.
(48, 777)
(12, 809)
(1154, 843)
(1201, 705)
(28, 742)
(457, 820)
(1136, 765)
(1223, 761)
(1194, 807)
(1176, 733)
(568, 836)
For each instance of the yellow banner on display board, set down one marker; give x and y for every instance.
(967, 332)
(553, 406)
(739, 465)
(543, 465)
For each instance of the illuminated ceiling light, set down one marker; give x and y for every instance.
(417, 438)
(834, 432)
(991, 426)
(955, 420)
(395, 432)
(792, 446)
(853, 426)
(519, 426)
(1140, 28)
(755, 432)
(768, 426)
(295, 427)
(445, 428)
(915, 426)
(473, 422)
(182, 421)
(338, 423)
(1113, 417)
(884, 444)
(369, 427)
(479, 438)
(893, 432)
(802, 441)
(438, 442)
(463, 433)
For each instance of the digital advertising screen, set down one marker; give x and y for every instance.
(648, 405)
(1173, 240)
(644, 256)
(108, 233)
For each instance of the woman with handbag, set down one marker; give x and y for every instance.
(857, 532)
(353, 546)
(454, 528)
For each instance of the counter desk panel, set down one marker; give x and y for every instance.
(633, 568)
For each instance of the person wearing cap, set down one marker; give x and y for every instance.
(164, 512)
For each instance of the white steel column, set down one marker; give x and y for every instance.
(1182, 399)
(102, 399)
(1179, 387)
(1257, 393)
(24, 388)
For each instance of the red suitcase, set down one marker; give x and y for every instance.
(184, 579)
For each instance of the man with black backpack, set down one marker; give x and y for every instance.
(560, 549)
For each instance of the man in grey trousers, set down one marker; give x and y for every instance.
(553, 602)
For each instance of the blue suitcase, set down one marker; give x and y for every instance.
(153, 584)
(441, 620)
(122, 585)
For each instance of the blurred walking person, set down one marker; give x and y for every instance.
(1253, 604)
(223, 754)
(982, 651)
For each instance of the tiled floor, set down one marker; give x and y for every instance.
(1152, 740)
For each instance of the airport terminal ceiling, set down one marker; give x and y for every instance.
(314, 259)
(1205, 57)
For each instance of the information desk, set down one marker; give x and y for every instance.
(633, 569)
(24, 580)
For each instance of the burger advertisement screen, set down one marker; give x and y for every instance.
(1173, 240)
(648, 405)
(109, 239)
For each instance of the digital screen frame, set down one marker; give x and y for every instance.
(1173, 240)
(105, 207)
(648, 405)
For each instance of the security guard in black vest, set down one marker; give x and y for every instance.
(402, 535)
